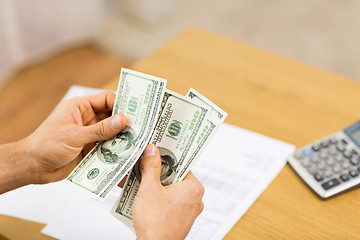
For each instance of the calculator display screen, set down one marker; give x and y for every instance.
(356, 135)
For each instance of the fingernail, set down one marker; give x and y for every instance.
(116, 122)
(150, 150)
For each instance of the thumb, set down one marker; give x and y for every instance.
(104, 129)
(150, 165)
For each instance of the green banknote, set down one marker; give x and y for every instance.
(215, 117)
(139, 98)
(178, 125)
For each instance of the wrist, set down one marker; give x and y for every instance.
(17, 166)
(28, 159)
(152, 233)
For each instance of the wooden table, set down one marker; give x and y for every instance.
(277, 97)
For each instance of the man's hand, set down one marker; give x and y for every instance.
(164, 212)
(62, 140)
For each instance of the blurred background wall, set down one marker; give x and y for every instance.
(324, 33)
(35, 29)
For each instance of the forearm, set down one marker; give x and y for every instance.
(15, 166)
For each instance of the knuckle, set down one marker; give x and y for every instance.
(148, 187)
(201, 207)
(100, 130)
(110, 93)
(149, 162)
(68, 102)
(198, 190)
(202, 190)
(144, 165)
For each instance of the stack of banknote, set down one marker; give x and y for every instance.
(180, 126)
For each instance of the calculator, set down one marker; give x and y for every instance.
(330, 165)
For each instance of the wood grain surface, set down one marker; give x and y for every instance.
(277, 97)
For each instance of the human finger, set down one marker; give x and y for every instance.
(197, 188)
(104, 129)
(101, 101)
(97, 117)
(102, 115)
(150, 165)
(190, 177)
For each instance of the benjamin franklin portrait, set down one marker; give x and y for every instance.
(118, 148)
(169, 165)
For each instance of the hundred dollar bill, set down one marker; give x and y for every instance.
(175, 132)
(138, 151)
(215, 117)
(138, 97)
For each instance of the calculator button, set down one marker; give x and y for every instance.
(323, 155)
(332, 151)
(355, 152)
(307, 152)
(324, 144)
(344, 177)
(332, 141)
(305, 162)
(345, 165)
(315, 148)
(340, 148)
(354, 160)
(314, 158)
(318, 177)
(347, 154)
(330, 184)
(339, 157)
(353, 173)
(327, 173)
(320, 166)
(298, 155)
(312, 170)
(344, 141)
(335, 169)
(330, 161)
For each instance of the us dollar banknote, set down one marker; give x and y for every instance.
(215, 117)
(178, 125)
(139, 98)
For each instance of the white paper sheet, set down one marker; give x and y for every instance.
(79, 91)
(90, 219)
(235, 168)
(39, 203)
